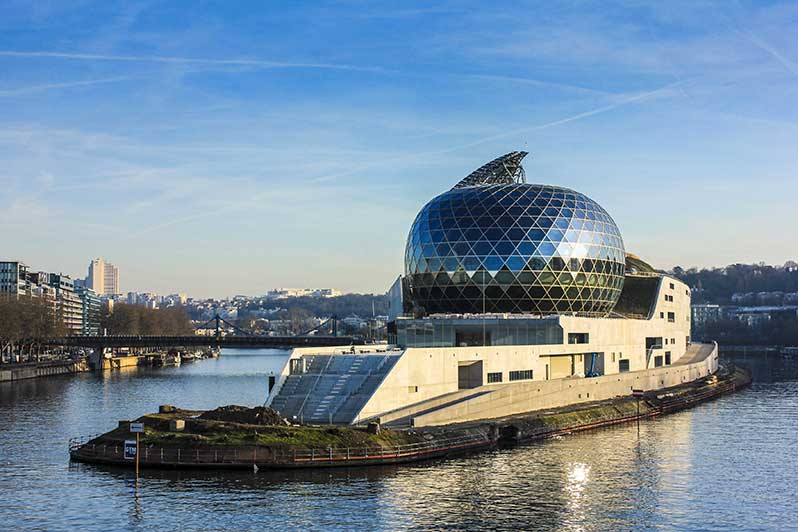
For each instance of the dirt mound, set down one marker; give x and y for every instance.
(260, 415)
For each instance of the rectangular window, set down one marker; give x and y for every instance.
(662, 315)
(578, 338)
(412, 389)
(623, 366)
(613, 357)
(494, 377)
(658, 361)
(673, 286)
(521, 375)
(667, 358)
(671, 317)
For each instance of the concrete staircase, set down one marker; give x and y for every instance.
(333, 388)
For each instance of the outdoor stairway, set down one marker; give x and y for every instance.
(333, 388)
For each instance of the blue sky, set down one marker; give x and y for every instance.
(218, 148)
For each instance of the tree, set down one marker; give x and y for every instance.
(25, 321)
(299, 320)
(140, 320)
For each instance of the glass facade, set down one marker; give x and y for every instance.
(514, 248)
(463, 332)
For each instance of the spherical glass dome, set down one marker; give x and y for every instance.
(514, 247)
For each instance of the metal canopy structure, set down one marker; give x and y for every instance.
(504, 170)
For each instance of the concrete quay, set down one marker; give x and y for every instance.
(16, 372)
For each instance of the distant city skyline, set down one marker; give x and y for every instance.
(226, 150)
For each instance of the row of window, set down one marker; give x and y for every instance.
(518, 375)
(658, 360)
(521, 375)
(669, 298)
(671, 316)
(673, 287)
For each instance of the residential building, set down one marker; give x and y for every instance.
(704, 314)
(14, 278)
(103, 277)
(68, 303)
(91, 307)
(282, 293)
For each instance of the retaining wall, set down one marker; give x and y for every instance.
(44, 369)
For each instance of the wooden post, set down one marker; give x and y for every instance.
(137, 456)
(637, 394)
(638, 417)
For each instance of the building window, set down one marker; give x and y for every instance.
(662, 315)
(613, 357)
(667, 358)
(521, 375)
(671, 317)
(623, 366)
(658, 361)
(412, 389)
(494, 377)
(673, 286)
(578, 338)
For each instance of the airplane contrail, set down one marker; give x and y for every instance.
(67, 84)
(259, 63)
(775, 54)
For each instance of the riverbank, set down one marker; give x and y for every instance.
(33, 370)
(99, 360)
(760, 350)
(191, 439)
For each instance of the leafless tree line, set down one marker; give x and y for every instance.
(136, 319)
(24, 322)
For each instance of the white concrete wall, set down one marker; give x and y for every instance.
(529, 396)
(424, 373)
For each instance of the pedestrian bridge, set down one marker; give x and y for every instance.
(239, 339)
(235, 341)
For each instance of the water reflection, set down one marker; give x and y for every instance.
(720, 466)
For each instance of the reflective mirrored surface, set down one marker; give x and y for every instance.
(518, 248)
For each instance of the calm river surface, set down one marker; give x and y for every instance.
(731, 464)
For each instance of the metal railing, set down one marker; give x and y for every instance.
(82, 448)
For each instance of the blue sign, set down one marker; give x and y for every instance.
(130, 449)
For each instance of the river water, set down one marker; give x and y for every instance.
(730, 464)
